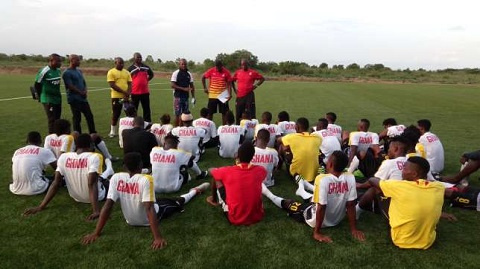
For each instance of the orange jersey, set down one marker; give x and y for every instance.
(218, 81)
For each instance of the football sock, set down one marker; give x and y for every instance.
(104, 150)
(301, 190)
(196, 169)
(189, 195)
(275, 199)
(109, 170)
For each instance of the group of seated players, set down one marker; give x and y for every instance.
(395, 173)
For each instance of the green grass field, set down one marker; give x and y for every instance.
(201, 237)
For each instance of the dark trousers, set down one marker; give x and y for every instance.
(245, 104)
(53, 111)
(116, 110)
(77, 109)
(145, 100)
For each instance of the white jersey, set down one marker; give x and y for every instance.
(249, 126)
(363, 140)
(395, 130)
(125, 123)
(268, 158)
(209, 127)
(329, 143)
(166, 168)
(132, 193)
(229, 138)
(433, 150)
(272, 129)
(189, 138)
(391, 169)
(287, 127)
(59, 144)
(28, 164)
(160, 131)
(75, 169)
(336, 130)
(334, 193)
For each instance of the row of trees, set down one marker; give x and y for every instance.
(232, 61)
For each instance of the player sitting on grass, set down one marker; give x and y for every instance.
(249, 125)
(334, 128)
(81, 170)
(329, 140)
(138, 202)
(301, 149)
(162, 129)
(191, 138)
(364, 152)
(230, 137)
(61, 141)
(126, 123)
(170, 166)
(28, 165)
(266, 157)
(238, 188)
(334, 195)
(470, 163)
(284, 124)
(414, 207)
(266, 123)
(390, 129)
(211, 139)
(430, 147)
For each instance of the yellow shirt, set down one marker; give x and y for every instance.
(415, 209)
(305, 151)
(121, 79)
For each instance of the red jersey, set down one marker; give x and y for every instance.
(245, 80)
(243, 187)
(140, 77)
(218, 81)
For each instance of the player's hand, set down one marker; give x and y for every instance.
(159, 243)
(32, 211)
(205, 90)
(322, 238)
(211, 201)
(359, 235)
(88, 239)
(449, 217)
(93, 216)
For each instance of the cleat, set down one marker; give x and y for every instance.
(202, 175)
(115, 159)
(111, 135)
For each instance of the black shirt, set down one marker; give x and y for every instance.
(141, 141)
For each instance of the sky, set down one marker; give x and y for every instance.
(399, 34)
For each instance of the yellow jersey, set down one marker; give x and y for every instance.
(305, 151)
(121, 79)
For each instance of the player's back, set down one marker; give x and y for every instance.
(166, 166)
(189, 138)
(395, 130)
(363, 140)
(391, 168)
(433, 151)
(229, 138)
(268, 159)
(160, 131)
(287, 127)
(249, 126)
(272, 129)
(75, 169)
(329, 143)
(209, 127)
(336, 130)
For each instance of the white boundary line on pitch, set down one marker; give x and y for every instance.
(95, 89)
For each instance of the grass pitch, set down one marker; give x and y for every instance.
(201, 237)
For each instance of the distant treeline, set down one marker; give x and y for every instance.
(323, 71)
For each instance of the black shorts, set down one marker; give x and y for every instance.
(213, 103)
(166, 207)
(296, 210)
(467, 199)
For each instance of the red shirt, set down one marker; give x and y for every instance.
(140, 77)
(243, 187)
(245, 80)
(218, 81)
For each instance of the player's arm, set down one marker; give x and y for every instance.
(93, 194)
(260, 82)
(382, 134)
(351, 214)
(158, 241)
(104, 216)
(352, 153)
(374, 181)
(150, 73)
(176, 87)
(233, 87)
(53, 165)
(38, 88)
(204, 84)
(116, 88)
(69, 85)
(192, 89)
(320, 216)
(52, 191)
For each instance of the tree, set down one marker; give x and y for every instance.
(208, 63)
(353, 66)
(323, 66)
(232, 61)
(149, 59)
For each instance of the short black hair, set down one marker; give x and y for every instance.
(263, 135)
(131, 111)
(366, 122)
(267, 116)
(246, 152)
(165, 118)
(83, 141)
(34, 138)
(340, 160)
(132, 161)
(303, 123)
(61, 126)
(390, 121)
(422, 165)
(425, 124)
(283, 116)
(404, 142)
(204, 112)
(411, 134)
(138, 121)
(229, 117)
(323, 122)
(331, 116)
(171, 139)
